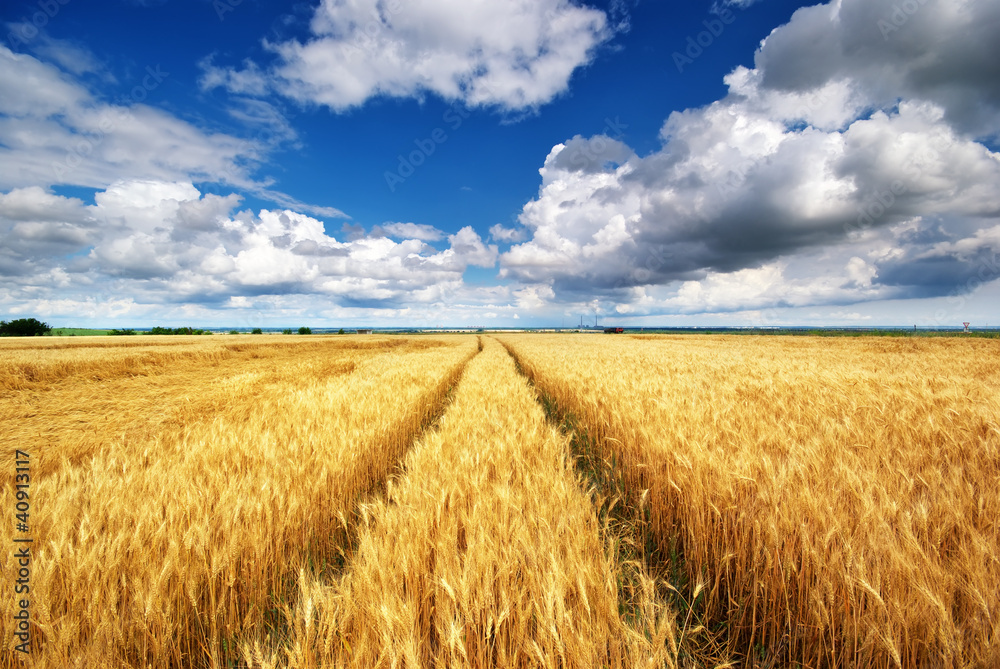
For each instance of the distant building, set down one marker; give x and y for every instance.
(364, 331)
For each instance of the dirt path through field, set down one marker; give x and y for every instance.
(486, 552)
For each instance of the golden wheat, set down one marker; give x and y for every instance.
(178, 520)
(486, 553)
(811, 502)
(839, 496)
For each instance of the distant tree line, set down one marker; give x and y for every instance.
(24, 327)
(191, 331)
(32, 327)
(177, 331)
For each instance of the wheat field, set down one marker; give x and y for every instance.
(178, 488)
(512, 501)
(485, 553)
(838, 498)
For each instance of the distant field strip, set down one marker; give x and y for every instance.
(79, 398)
(486, 552)
(838, 498)
(179, 486)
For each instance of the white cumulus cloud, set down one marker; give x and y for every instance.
(838, 136)
(516, 54)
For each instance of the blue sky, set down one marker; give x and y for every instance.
(477, 162)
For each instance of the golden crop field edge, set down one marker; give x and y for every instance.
(219, 583)
(23, 366)
(747, 533)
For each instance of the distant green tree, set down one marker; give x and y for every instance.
(175, 331)
(234, 332)
(126, 331)
(24, 327)
(257, 331)
(305, 330)
(340, 331)
(287, 331)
